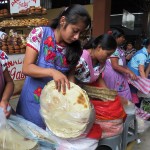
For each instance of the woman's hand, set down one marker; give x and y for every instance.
(61, 81)
(132, 75)
(4, 105)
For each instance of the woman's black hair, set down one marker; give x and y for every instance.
(117, 32)
(73, 53)
(147, 42)
(73, 14)
(106, 41)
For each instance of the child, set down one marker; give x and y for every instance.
(6, 84)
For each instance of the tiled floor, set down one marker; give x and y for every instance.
(144, 137)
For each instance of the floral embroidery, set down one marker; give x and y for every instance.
(37, 94)
(3, 60)
(49, 42)
(53, 55)
(35, 36)
(50, 56)
(3, 56)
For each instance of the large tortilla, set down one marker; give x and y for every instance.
(66, 115)
(11, 140)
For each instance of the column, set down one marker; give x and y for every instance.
(101, 16)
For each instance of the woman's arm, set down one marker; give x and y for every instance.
(71, 75)
(101, 82)
(31, 69)
(141, 71)
(8, 91)
(121, 69)
(147, 72)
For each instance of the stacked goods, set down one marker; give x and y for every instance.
(109, 110)
(67, 115)
(33, 10)
(100, 93)
(4, 12)
(24, 22)
(13, 43)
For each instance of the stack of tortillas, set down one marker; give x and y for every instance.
(12, 140)
(66, 115)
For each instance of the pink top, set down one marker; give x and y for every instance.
(85, 72)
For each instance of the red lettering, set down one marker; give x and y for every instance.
(14, 62)
(14, 2)
(16, 75)
(13, 72)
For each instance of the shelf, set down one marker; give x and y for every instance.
(20, 27)
(17, 27)
(23, 15)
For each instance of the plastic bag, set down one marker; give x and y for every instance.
(143, 125)
(12, 140)
(76, 144)
(109, 110)
(110, 127)
(2, 119)
(31, 131)
(129, 107)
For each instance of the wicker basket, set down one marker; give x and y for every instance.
(100, 93)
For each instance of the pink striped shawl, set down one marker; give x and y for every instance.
(142, 84)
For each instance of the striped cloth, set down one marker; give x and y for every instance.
(142, 84)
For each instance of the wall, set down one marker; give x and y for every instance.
(52, 13)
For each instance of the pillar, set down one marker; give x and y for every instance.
(101, 16)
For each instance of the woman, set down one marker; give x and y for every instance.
(140, 60)
(116, 71)
(89, 71)
(51, 53)
(139, 64)
(92, 62)
(6, 84)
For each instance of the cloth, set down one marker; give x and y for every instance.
(141, 57)
(115, 80)
(142, 84)
(50, 55)
(85, 72)
(3, 65)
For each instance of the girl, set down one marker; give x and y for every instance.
(115, 71)
(51, 53)
(6, 84)
(130, 50)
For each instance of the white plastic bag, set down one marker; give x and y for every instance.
(12, 140)
(2, 119)
(129, 107)
(31, 131)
